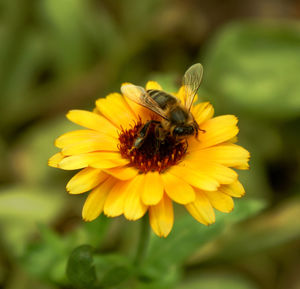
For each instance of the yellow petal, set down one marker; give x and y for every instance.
(235, 189)
(107, 160)
(73, 163)
(55, 160)
(93, 121)
(194, 178)
(99, 160)
(153, 188)
(202, 112)
(162, 217)
(153, 85)
(217, 130)
(140, 112)
(116, 110)
(86, 180)
(230, 155)
(94, 203)
(221, 173)
(201, 209)
(178, 189)
(76, 136)
(122, 173)
(220, 201)
(181, 94)
(115, 201)
(99, 143)
(133, 207)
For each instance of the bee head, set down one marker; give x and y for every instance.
(184, 130)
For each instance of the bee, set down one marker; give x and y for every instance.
(177, 120)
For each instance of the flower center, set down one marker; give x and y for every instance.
(152, 155)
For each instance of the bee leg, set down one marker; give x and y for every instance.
(138, 142)
(186, 145)
(197, 129)
(159, 136)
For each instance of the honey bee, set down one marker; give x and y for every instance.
(177, 120)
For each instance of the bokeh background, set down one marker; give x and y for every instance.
(57, 55)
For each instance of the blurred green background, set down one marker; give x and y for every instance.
(57, 55)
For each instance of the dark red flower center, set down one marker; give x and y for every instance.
(152, 155)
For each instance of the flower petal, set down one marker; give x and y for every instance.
(202, 112)
(162, 217)
(73, 163)
(94, 203)
(220, 201)
(181, 94)
(99, 160)
(134, 208)
(122, 173)
(230, 155)
(93, 121)
(194, 178)
(235, 189)
(178, 189)
(115, 201)
(107, 160)
(99, 143)
(141, 112)
(153, 188)
(116, 110)
(201, 209)
(217, 130)
(76, 136)
(221, 173)
(86, 180)
(55, 160)
(153, 85)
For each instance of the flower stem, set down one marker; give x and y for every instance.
(143, 241)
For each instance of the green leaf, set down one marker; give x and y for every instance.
(90, 232)
(243, 209)
(188, 235)
(21, 208)
(219, 280)
(254, 67)
(47, 257)
(111, 270)
(80, 268)
(275, 227)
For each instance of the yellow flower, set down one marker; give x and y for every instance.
(124, 180)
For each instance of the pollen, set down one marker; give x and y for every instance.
(153, 155)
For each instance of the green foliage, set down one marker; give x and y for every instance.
(47, 257)
(219, 280)
(112, 270)
(80, 269)
(21, 208)
(187, 236)
(253, 67)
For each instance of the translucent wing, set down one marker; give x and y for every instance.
(139, 95)
(191, 82)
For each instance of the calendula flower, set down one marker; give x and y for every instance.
(197, 173)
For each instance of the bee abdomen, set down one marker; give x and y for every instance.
(162, 98)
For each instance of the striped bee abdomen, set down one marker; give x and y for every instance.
(162, 98)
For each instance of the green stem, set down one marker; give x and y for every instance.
(143, 241)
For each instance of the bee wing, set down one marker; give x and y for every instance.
(139, 95)
(191, 82)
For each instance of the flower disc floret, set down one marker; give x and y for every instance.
(153, 155)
